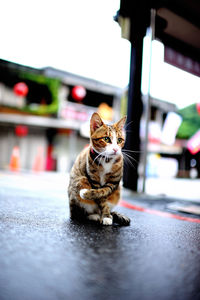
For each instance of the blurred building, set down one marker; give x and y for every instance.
(46, 113)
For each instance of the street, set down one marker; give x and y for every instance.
(44, 255)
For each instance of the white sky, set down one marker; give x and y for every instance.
(80, 36)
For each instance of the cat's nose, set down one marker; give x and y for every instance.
(115, 150)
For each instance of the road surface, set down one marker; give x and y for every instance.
(46, 256)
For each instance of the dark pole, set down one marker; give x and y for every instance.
(138, 15)
(134, 112)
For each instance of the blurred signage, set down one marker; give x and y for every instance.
(193, 144)
(154, 132)
(170, 128)
(181, 61)
(71, 113)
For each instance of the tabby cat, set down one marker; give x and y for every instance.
(95, 176)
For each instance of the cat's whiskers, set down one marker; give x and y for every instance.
(127, 124)
(129, 159)
(101, 155)
(133, 151)
(128, 162)
(96, 157)
(104, 156)
(100, 160)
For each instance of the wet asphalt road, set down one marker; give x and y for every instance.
(44, 255)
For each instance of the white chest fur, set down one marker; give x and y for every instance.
(107, 166)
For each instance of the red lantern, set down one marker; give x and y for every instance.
(78, 93)
(21, 130)
(198, 108)
(21, 89)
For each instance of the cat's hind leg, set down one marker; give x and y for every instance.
(80, 214)
(94, 217)
(77, 213)
(120, 219)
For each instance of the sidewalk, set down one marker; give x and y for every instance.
(183, 189)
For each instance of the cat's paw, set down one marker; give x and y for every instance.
(107, 221)
(125, 221)
(120, 219)
(83, 193)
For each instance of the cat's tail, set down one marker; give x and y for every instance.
(120, 219)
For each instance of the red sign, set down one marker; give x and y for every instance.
(181, 61)
(193, 144)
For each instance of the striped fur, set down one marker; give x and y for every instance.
(94, 187)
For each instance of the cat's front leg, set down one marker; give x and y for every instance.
(96, 194)
(106, 217)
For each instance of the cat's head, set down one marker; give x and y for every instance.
(107, 139)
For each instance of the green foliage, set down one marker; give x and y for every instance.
(53, 85)
(190, 123)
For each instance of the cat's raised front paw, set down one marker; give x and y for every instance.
(83, 193)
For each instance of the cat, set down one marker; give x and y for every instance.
(94, 185)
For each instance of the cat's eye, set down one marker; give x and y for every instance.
(119, 140)
(107, 139)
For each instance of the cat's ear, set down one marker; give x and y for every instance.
(95, 122)
(120, 124)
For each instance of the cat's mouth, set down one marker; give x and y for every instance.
(113, 154)
(106, 154)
